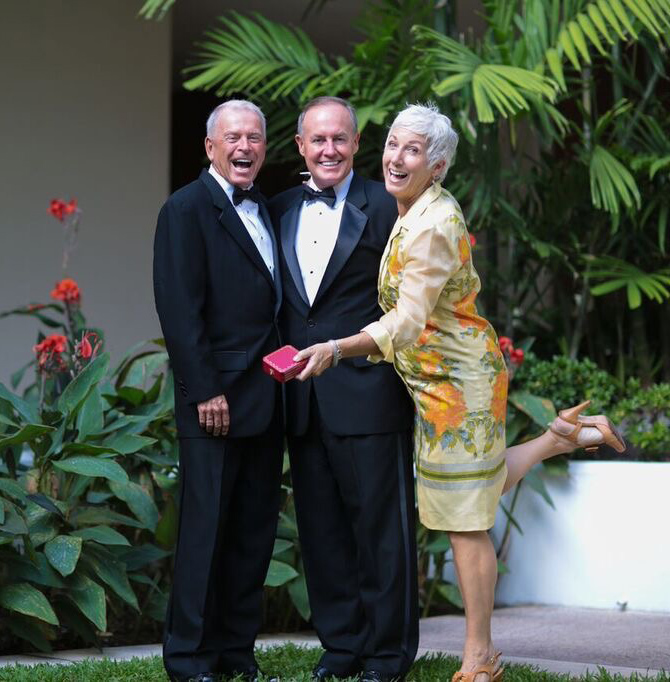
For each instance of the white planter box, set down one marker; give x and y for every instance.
(607, 543)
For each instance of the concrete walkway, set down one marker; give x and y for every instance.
(556, 639)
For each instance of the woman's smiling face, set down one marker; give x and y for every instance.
(407, 172)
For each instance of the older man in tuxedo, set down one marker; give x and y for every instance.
(349, 430)
(218, 293)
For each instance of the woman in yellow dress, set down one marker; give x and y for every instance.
(449, 358)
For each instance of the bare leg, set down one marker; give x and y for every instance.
(477, 571)
(523, 457)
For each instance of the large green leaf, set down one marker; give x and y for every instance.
(89, 598)
(297, 590)
(63, 553)
(85, 516)
(25, 434)
(279, 573)
(76, 391)
(26, 410)
(533, 479)
(31, 630)
(10, 487)
(102, 534)
(451, 593)
(611, 182)
(137, 557)
(90, 417)
(107, 568)
(40, 572)
(127, 444)
(139, 501)
(24, 598)
(93, 466)
(14, 522)
(540, 410)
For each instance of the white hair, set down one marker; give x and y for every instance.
(441, 138)
(234, 104)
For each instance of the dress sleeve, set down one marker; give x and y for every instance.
(431, 260)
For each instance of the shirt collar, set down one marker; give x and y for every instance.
(225, 185)
(341, 189)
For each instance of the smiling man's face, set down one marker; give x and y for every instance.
(328, 143)
(237, 146)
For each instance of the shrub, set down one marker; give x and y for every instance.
(567, 382)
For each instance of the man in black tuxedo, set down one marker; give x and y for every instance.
(349, 430)
(218, 293)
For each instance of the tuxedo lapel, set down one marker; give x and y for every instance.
(262, 209)
(234, 225)
(352, 225)
(288, 228)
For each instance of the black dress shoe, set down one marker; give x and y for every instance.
(205, 677)
(323, 673)
(376, 676)
(252, 674)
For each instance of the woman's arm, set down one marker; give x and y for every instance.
(321, 355)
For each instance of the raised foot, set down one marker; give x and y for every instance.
(587, 432)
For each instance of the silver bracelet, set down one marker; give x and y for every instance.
(337, 352)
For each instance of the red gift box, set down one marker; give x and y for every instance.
(280, 364)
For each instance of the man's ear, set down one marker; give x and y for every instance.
(357, 139)
(209, 148)
(301, 144)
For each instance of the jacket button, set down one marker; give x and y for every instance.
(311, 323)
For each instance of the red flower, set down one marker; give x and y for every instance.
(49, 351)
(67, 291)
(473, 240)
(505, 343)
(516, 356)
(88, 346)
(59, 208)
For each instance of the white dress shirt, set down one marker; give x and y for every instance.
(318, 227)
(251, 219)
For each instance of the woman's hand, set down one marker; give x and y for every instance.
(319, 357)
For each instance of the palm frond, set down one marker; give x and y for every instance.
(503, 87)
(600, 23)
(619, 274)
(612, 184)
(258, 57)
(155, 9)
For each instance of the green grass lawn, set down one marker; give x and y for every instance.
(290, 662)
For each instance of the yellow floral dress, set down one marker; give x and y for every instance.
(449, 359)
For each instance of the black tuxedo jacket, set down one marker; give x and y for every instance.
(357, 397)
(218, 304)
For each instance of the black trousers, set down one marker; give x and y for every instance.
(227, 523)
(354, 498)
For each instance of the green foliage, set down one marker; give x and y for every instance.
(644, 416)
(566, 382)
(73, 519)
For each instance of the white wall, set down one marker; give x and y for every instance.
(84, 112)
(605, 545)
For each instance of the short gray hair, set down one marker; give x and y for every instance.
(234, 104)
(426, 120)
(320, 101)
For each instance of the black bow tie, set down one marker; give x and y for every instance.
(239, 195)
(327, 195)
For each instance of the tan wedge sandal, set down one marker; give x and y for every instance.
(488, 668)
(608, 433)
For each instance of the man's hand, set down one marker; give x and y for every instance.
(214, 416)
(320, 358)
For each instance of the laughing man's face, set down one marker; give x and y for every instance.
(328, 143)
(237, 146)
